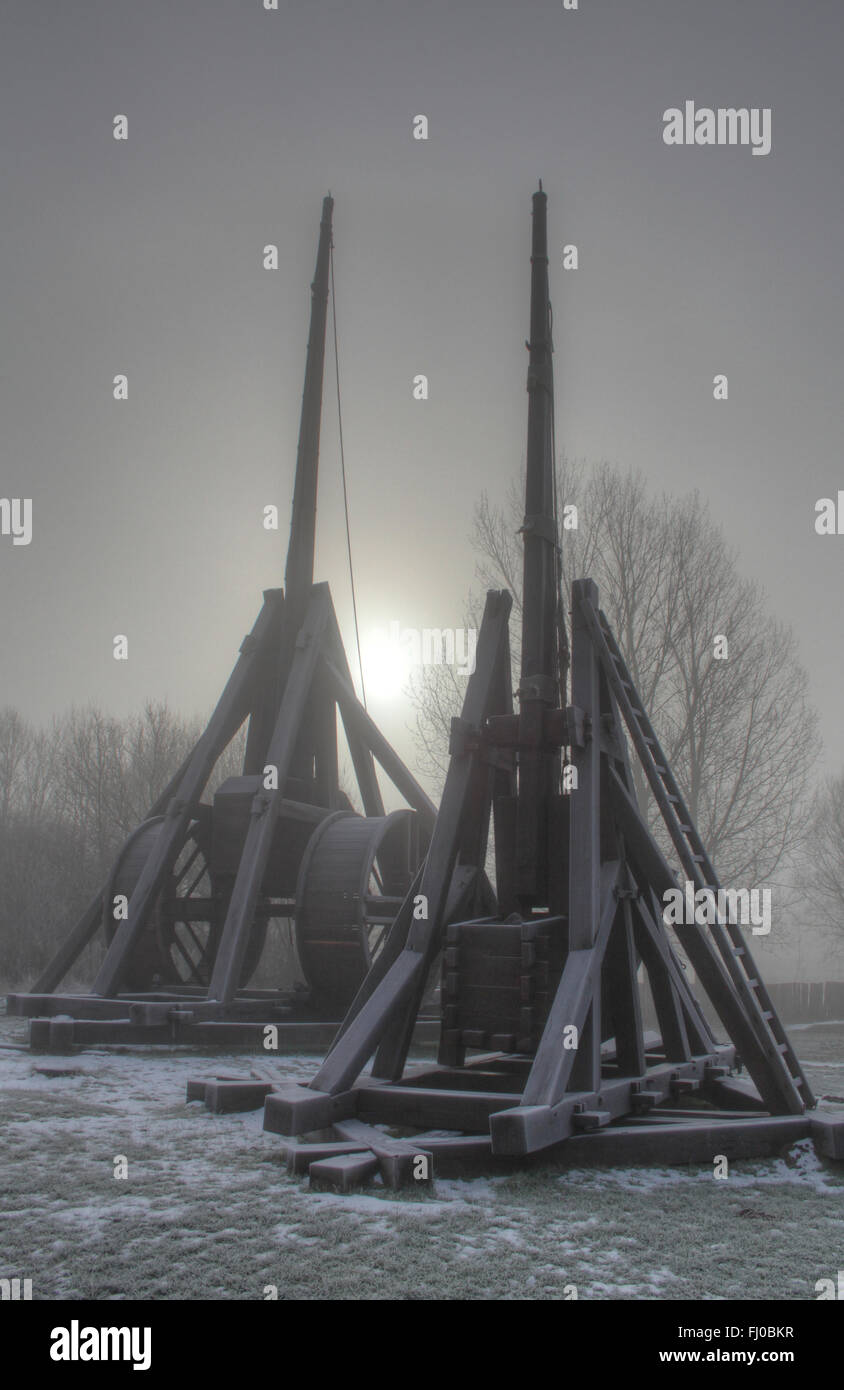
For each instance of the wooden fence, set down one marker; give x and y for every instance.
(795, 1003)
(805, 1003)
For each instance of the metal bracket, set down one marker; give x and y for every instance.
(537, 524)
(579, 726)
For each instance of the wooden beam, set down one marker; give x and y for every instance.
(294, 1110)
(398, 1159)
(579, 984)
(362, 1032)
(362, 760)
(694, 1141)
(701, 1037)
(301, 1156)
(228, 961)
(431, 1108)
(344, 1173)
(584, 892)
(666, 997)
(228, 1097)
(358, 725)
(620, 967)
(585, 849)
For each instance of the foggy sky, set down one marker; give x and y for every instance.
(144, 257)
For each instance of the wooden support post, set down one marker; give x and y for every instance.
(358, 725)
(620, 966)
(324, 722)
(672, 1027)
(700, 1035)
(585, 825)
(253, 860)
(554, 1066)
(336, 667)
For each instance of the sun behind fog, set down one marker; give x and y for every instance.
(386, 665)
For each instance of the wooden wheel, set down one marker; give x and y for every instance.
(179, 943)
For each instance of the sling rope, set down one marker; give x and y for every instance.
(343, 471)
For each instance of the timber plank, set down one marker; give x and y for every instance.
(296, 1110)
(397, 1158)
(689, 1142)
(432, 1109)
(828, 1134)
(343, 1173)
(301, 1156)
(231, 1097)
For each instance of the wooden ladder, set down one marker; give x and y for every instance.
(696, 864)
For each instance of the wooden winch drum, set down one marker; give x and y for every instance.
(354, 876)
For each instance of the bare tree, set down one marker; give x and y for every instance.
(14, 745)
(822, 872)
(69, 796)
(732, 714)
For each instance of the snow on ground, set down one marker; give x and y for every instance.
(209, 1212)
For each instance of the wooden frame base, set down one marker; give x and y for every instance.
(60, 1032)
(340, 1142)
(594, 1082)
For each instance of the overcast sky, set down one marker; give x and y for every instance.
(144, 257)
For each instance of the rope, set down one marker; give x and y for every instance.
(343, 471)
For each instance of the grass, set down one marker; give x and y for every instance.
(209, 1212)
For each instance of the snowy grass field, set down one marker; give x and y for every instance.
(209, 1212)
